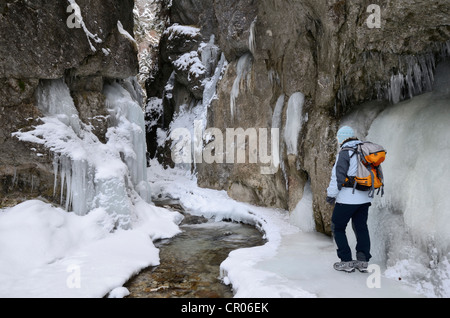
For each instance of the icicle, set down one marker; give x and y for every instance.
(209, 92)
(242, 70)
(294, 122)
(55, 173)
(62, 176)
(264, 158)
(278, 112)
(252, 37)
(54, 99)
(395, 88)
(274, 77)
(32, 182)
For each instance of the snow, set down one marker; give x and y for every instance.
(190, 62)
(295, 263)
(92, 174)
(176, 30)
(125, 33)
(46, 251)
(49, 253)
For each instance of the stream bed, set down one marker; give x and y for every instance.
(190, 262)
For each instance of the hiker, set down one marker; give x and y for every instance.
(351, 203)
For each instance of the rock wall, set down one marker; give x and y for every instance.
(333, 52)
(43, 40)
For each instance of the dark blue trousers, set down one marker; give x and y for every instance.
(358, 214)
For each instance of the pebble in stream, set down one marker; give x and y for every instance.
(190, 262)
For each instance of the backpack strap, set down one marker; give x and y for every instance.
(355, 152)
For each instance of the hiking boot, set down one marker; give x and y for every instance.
(361, 266)
(347, 267)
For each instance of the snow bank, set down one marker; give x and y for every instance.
(293, 263)
(238, 269)
(46, 252)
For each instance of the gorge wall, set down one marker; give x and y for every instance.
(87, 44)
(299, 66)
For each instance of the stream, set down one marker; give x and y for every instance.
(190, 262)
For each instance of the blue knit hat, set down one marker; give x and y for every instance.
(345, 133)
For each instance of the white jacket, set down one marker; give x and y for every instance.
(346, 165)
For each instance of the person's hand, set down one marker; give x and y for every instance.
(331, 200)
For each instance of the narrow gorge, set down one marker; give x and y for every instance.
(244, 96)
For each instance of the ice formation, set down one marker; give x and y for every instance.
(252, 37)
(294, 122)
(242, 78)
(414, 76)
(409, 225)
(92, 174)
(303, 214)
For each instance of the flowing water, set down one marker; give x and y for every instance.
(190, 262)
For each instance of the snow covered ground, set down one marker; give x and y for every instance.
(294, 263)
(47, 252)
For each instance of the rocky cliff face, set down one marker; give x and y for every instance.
(43, 40)
(336, 54)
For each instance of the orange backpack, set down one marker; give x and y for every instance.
(369, 175)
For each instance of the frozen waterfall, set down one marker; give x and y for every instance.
(88, 173)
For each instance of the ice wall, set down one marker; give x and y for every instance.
(88, 173)
(409, 225)
(128, 134)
